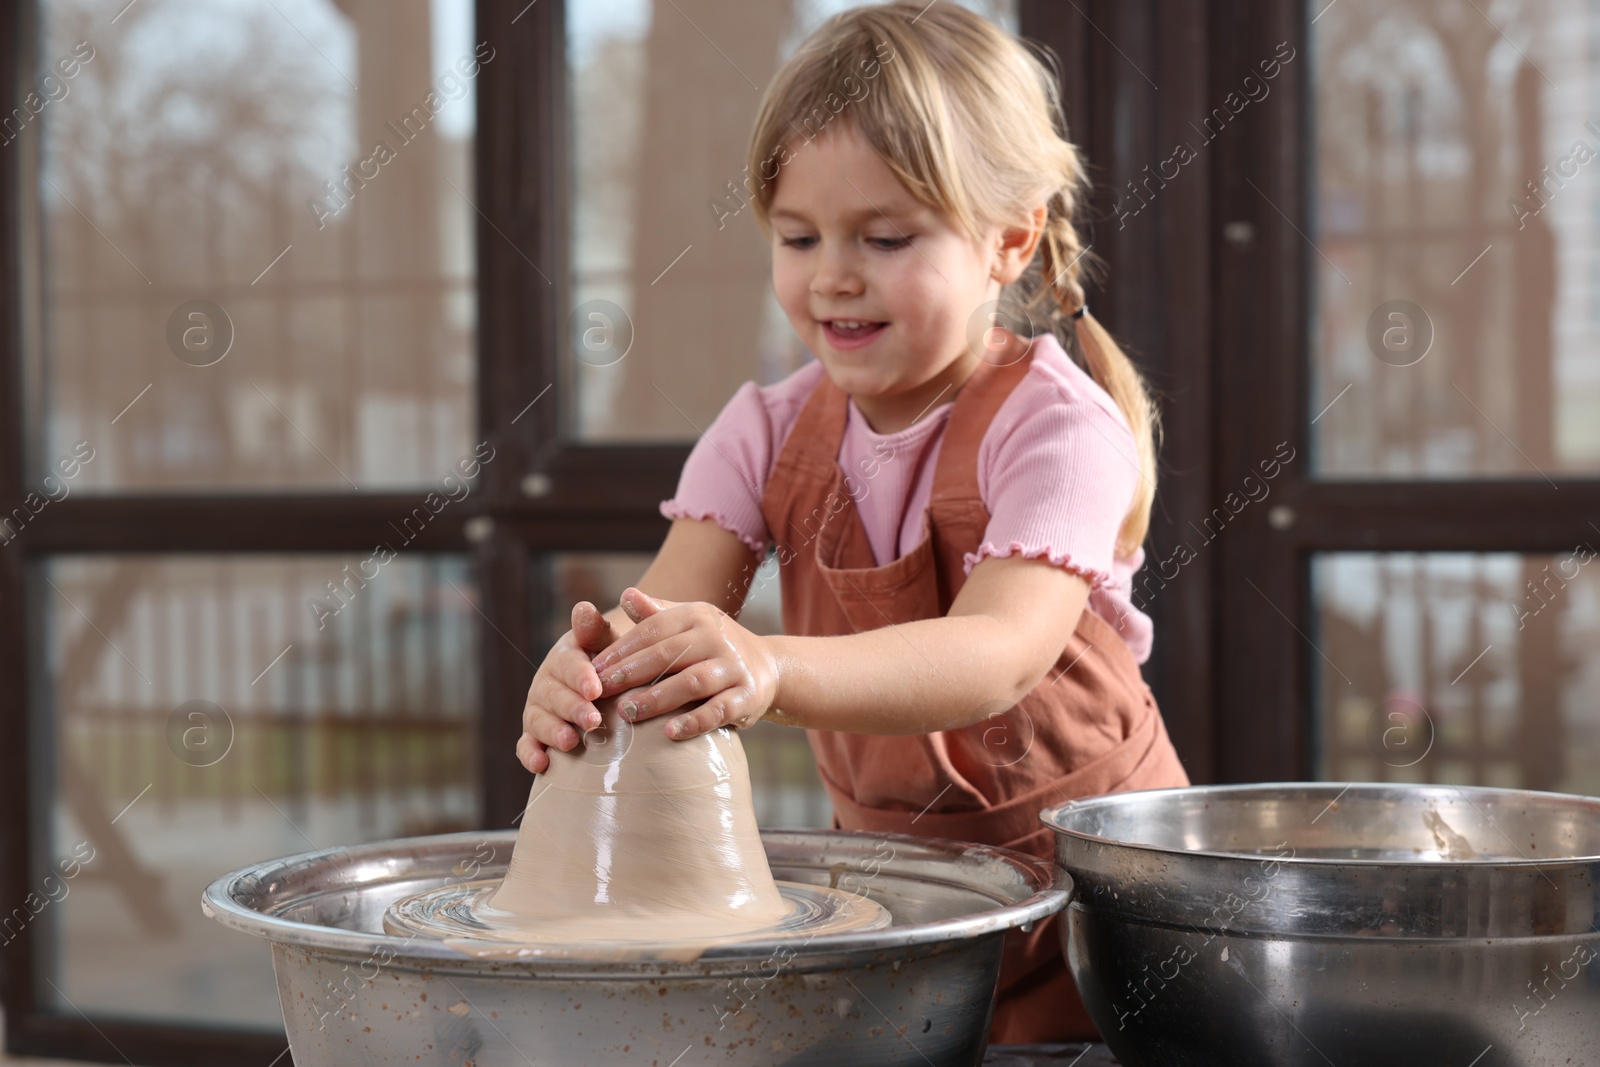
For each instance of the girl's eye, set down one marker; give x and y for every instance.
(799, 242)
(889, 244)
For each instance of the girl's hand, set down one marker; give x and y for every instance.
(560, 698)
(712, 659)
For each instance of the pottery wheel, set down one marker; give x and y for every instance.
(461, 914)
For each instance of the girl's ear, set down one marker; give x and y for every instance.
(1017, 246)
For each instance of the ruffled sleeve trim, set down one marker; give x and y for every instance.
(671, 509)
(1096, 578)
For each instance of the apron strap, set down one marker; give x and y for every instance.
(955, 478)
(818, 431)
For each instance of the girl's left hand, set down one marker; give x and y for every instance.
(711, 657)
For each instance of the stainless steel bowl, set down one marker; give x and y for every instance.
(919, 992)
(1327, 924)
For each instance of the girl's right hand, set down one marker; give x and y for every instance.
(560, 700)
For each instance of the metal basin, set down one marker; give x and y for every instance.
(918, 992)
(1329, 924)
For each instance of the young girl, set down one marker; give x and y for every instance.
(956, 511)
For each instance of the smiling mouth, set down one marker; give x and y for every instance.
(851, 331)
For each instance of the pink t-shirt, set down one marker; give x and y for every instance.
(1057, 470)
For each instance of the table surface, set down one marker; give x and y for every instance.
(1049, 1056)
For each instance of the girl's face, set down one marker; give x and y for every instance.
(880, 288)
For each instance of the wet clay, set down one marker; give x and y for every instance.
(634, 836)
(633, 846)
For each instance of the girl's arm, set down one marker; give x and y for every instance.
(1004, 630)
(699, 560)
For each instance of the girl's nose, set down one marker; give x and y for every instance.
(836, 274)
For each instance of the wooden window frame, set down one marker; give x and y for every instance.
(1131, 70)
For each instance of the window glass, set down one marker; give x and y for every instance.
(1457, 329)
(255, 259)
(1457, 668)
(202, 713)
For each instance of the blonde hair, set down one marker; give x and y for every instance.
(969, 119)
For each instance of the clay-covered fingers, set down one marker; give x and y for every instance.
(542, 730)
(532, 755)
(707, 678)
(652, 664)
(566, 686)
(559, 704)
(648, 646)
(732, 707)
(591, 630)
(639, 605)
(549, 728)
(681, 654)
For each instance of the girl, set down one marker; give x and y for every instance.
(956, 513)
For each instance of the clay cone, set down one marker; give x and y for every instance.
(634, 836)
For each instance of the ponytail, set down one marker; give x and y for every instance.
(1063, 267)
(1116, 374)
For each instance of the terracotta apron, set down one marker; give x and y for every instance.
(1091, 725)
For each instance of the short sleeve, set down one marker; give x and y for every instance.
(1058, 473)
(725, 475)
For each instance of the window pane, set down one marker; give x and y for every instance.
(255, 256)
(783, 774)
(1455, 221)
(660, 123)
(1466, 669)
(207, 712)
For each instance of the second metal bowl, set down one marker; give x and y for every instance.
(1311, 924)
